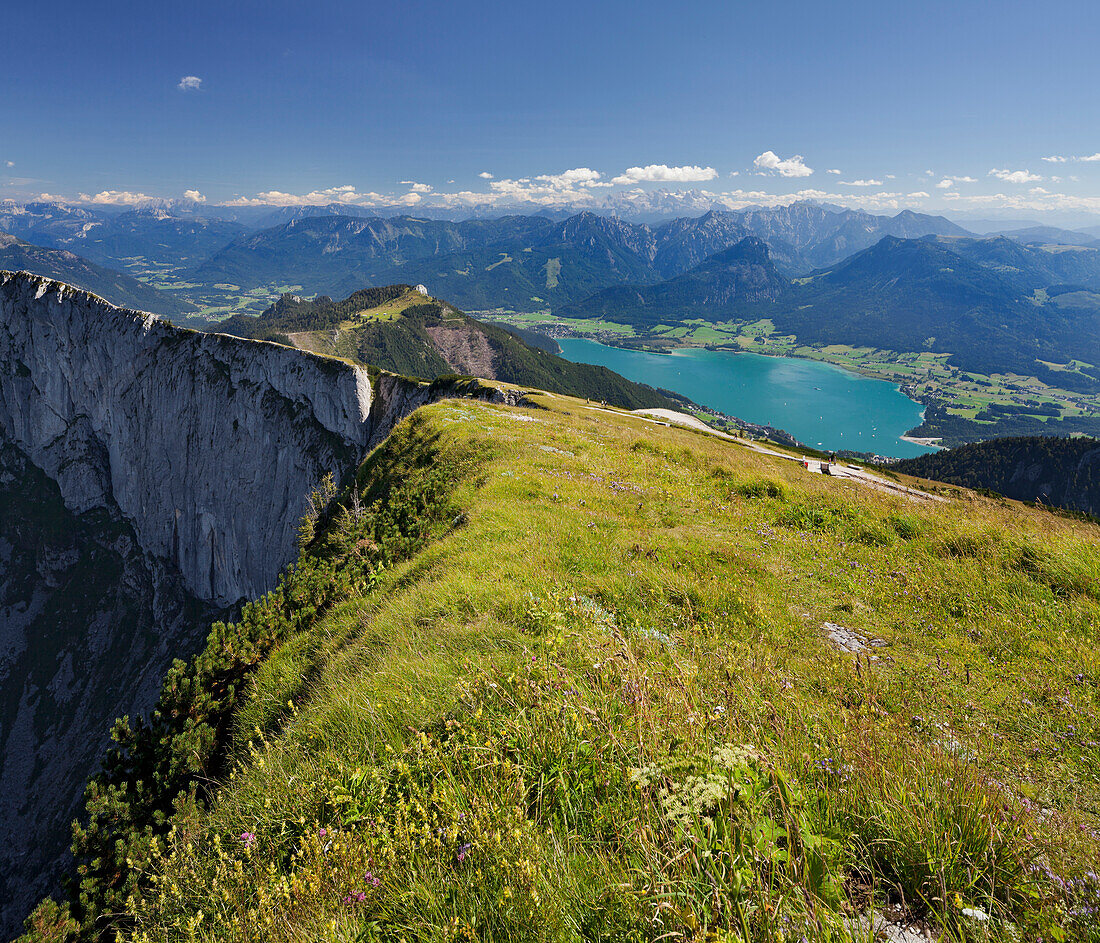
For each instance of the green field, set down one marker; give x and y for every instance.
(923, 375)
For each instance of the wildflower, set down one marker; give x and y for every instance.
(247, 838)
(463, 851)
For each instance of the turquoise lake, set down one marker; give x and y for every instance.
(821, 405)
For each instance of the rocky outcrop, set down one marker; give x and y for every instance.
(208, 444)
(88, 627)
(150, 478)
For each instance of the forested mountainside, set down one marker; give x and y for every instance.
(982, 301)
(1059, 472)
(726, 285)
(396, 328)
(918, 295)
(544, 672)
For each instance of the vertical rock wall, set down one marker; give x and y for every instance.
(207, 444)
(149, 476)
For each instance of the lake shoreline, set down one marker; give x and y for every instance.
(727, 349)
(825, 405)
(843, 365)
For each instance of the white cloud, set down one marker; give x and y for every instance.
(662, 173)
(343, 194)
(1038, 191)
(569, 186)
(930, 173)
(10, 163)
(568, 179)
(791, 167)
(891, 176)
(573, 186)
(194, 195)
(190, 83)
(951, 181)
(116, 198)
(1014, 176)
(409, 199)
(1031, 201)
(735, 173)
(416, 187)
(51, 198)
(860, 183)
(832, 171)
(1084, 158)
(918, 195)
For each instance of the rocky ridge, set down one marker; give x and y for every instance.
(209, 444)
(151, 477)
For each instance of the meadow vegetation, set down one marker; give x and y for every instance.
(561, 674)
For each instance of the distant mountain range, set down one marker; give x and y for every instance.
(121, 240)
(527, 262)
(65, 266)
(1049, 235)
(825, 274)
(995, 305)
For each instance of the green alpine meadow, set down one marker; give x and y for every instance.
(562, 672)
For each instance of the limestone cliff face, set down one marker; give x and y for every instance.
(149, 477)
(208, 444)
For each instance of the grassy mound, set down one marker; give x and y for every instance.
(560, 674)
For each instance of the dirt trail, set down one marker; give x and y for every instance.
(814, 466)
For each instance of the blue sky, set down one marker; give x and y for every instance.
(307, 102)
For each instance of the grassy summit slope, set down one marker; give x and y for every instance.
(397, 329)
(565, 677)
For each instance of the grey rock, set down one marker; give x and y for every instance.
(208, 444)
(179, 463)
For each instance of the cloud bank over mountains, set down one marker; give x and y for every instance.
(662, 189)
